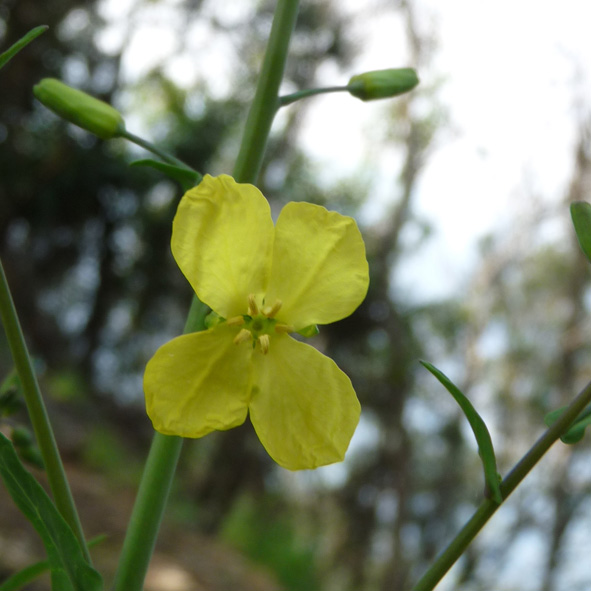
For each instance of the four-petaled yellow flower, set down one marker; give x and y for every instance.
(264, 282)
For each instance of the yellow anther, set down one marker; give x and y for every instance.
(264, 342)
(235, 321)
(284, 328)
(253, 309)
(270, 311)
(243, 336)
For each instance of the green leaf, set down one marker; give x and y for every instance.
(20, 44)
(69, 569)
(577, 430)
(580, 212)
(187, 177)
(25, 576)
(485, 446)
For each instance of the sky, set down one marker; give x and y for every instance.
(514, 80)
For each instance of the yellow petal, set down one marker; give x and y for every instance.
(198, 383)
(319, 269)
(222, 238)
(303, 407)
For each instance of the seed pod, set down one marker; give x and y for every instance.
(382, 83)
(80, 108)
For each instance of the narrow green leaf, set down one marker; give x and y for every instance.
(30, 573)
(485, 446)
(21, 43)
(25, 576)
(580, 212)
(187, 177)
(577, 430)
(69, 569)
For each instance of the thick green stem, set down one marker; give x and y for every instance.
(266, 99)
(147, 513)
(164, 453)
(488, 507)
(153, 492)
(56, 474)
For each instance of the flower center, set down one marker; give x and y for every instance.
(259, 324)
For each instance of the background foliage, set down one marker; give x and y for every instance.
(85, 242)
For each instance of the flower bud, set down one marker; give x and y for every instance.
(382, 83)
(80, 108)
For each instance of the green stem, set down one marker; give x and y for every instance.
(288, 99)
(38, 414)
(488, 507)
(169, 158)
(164, 453)
(153, 492)
(266, 102)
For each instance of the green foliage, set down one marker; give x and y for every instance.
(577, 430)
(268, 536)
(186, 177)
(69, 569)
(6, 56)
(581, 213)
(25, 576)
(485, 446)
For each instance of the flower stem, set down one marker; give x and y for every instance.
(266, 102)
(169, 158)
(288, 99)
(488, 507)
(164, 453)
(153, 492)
(38, 414)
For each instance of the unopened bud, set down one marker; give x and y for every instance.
(382, 83)
(80, 108)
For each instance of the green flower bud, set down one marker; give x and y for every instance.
(80, 108)
(382, 83)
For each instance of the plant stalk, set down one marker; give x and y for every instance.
(54, 467)
(488, 507)
(163, 457)
(266, 99)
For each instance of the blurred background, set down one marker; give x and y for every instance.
(461, 189)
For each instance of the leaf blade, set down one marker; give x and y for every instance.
(580, 212)
(480, 430)
(186, 177)
(69, 569)
(7, 55)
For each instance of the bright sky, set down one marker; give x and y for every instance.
(515, 78)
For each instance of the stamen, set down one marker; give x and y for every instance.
(235, 321)
(264, 342)
(270, 311)
(243, 336)
(253, 309)
(284, 328)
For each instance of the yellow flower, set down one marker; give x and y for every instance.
(264, 281)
